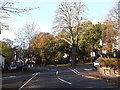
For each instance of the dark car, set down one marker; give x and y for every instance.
(95, 64)
(12, 66)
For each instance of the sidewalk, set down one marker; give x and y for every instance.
(96, 75)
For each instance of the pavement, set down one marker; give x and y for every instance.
(98, 76)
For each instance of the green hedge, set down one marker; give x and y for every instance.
(113, 63)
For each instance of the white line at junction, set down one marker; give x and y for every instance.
(74, 70)
(28, 80)
(65, 81)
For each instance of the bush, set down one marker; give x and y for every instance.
(113, 63)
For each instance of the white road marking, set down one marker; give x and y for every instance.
(56, 72)
(62, 79)
(65, 81)
(35, 73)
(28, 81)
(74, 70)
(8, 77)
(11, 76)
(88, 69)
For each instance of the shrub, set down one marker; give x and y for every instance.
(113, 63)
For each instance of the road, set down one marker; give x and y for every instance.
(55, 77)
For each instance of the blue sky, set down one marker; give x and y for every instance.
(45, 15)
(97, 11)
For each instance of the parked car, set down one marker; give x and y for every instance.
(12, 66)
(95, 64)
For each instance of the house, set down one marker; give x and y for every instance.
(2, 61)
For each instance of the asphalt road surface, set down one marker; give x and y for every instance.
(54, 77)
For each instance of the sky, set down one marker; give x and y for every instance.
(44, 16)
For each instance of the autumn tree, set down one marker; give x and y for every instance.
(68, 19)
(109, 33)
(111, 27)
(39, 46)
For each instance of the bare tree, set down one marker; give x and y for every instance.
(68, 19)
(7, 8)
(114, 16)
(26, 34)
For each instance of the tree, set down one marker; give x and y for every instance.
(49, 48)
(68, 19)
(109, 33)
(26, 34)
(5, 49)
(113, 24)
(3, 27)
(114, 13)
(89, 39)
(57, 50)
(40, 44)
(7, 8)
(9, 42)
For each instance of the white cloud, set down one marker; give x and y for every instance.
(7, 34)
(10, 34)
(44, 28)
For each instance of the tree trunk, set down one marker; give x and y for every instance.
(73, 55)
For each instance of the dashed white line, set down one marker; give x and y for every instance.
(28, 81)
(65, 81)
(56, 72)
